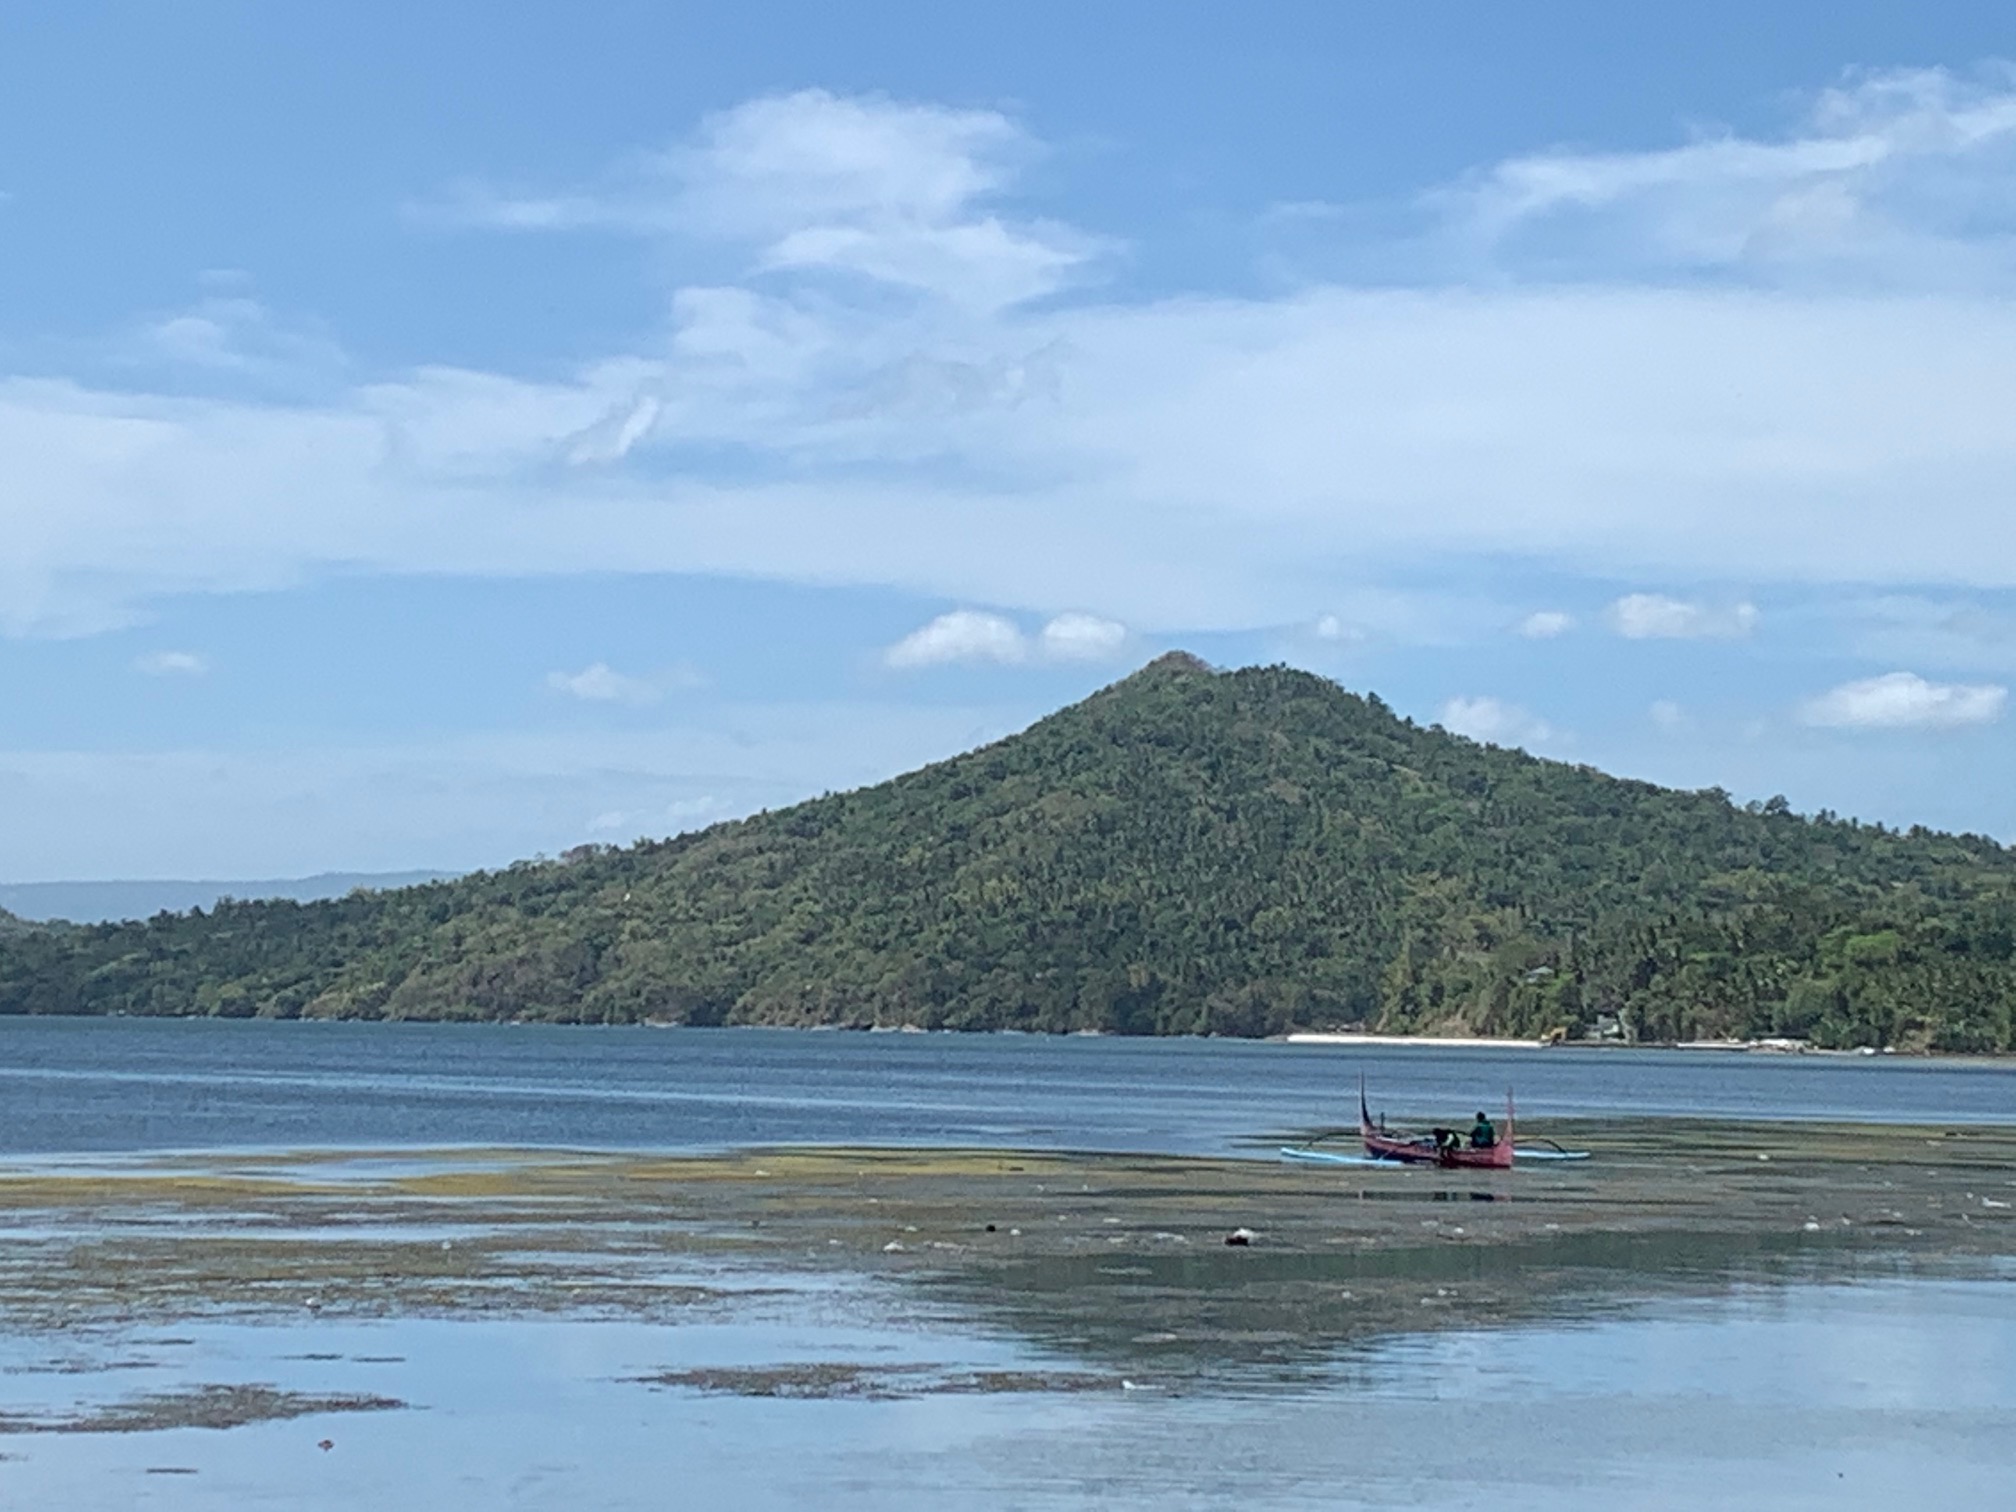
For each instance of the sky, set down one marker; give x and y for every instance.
(442, 433)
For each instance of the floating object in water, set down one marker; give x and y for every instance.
(1241, 1237)
(1329, 1157)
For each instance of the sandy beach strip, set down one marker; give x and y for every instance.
(1433, 1042)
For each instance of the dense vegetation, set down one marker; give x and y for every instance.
(1187, 851)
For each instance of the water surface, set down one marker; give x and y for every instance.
(1877, 1394)
(78, 1085)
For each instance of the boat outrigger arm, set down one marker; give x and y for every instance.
(1443, 1148)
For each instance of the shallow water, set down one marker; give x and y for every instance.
(1886, 1393)
(1534, 1367)
(122, 1085)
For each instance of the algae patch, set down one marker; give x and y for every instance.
(831, 1380)
(209, 1406)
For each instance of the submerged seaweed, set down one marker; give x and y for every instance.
(213, 1406)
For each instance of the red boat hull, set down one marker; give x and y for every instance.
(1422, 1149)
(1423, 1152)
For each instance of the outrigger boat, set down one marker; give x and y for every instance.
(1444, 1147)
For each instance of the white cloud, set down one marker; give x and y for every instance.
(893, 192)
(885, 399)
(1653, 616)
(1083, 637)
(1494, 721)
(171, 664)
(1904, 700)
(1545, 624)
(964, 635)
(601, 683)
(972, 635)
(1882, 182)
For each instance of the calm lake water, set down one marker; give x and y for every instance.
(101, 1085)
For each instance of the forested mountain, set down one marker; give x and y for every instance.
(1186, 851)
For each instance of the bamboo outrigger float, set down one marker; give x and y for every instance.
(1442, 1147)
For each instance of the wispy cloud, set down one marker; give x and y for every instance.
(1546, 624)
(171, 664)
(1653, 616)
(898, 193)
(1904, 700)
(1880, 182)
(889, 393)
(601, 683)
(1942, 632)
(1667, 715)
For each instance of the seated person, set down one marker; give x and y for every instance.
(1482, 1135)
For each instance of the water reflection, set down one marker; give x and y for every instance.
(1245, 1319)
(1773, 1397)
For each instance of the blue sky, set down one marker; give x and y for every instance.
(441, 433)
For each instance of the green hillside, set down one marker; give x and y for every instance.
(1186, 851)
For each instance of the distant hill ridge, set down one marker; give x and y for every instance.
(1187, 851)
(103, 902)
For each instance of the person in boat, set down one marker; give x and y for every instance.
(1483, 1134)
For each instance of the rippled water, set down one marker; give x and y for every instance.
(122, 1085)
(1870, 1395)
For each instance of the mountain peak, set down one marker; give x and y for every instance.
(1178, 664)
(1189, 851)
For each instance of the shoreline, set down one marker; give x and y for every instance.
(1769, 1046)
(1439, 1041)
